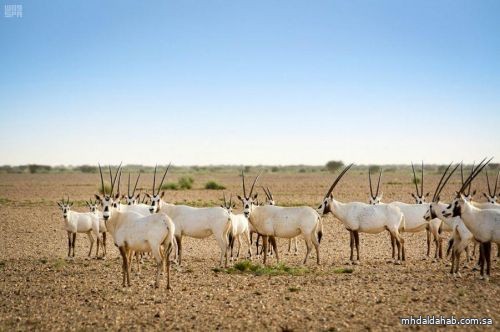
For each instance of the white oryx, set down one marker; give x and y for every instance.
(285, 222)
(93, 206)
(240, 228)
(491, 196)
(194, 222)
(461, 236)
(414, 215)
(133, 232)
(484, 224)
(361, 217)
(78, 222)
(132, 204)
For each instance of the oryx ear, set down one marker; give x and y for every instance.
(331, 195)
(239, 197)
(222, 206)
(123, 197)
(427, 195)
(71, 204)
(117, 195)
(60, 205)
(162, 194)
(234, 206)
(486, 196)
(438, 198)
(97, 197)
(413, 195)
(147, 194)
(255, 196)
(87, 203)
(138, 196)
(474, 192)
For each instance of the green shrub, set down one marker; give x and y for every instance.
(34, 168)
(334, 165)
(107, 187)
(212, 185)
(186, 182)
(170, 186)
(86, 169)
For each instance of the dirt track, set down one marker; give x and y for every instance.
(40, 289)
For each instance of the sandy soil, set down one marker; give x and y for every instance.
(40, 289)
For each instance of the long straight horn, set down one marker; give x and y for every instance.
(102, 181)
(265, 192)
(253, 184)
(154, 180)
(128, 185)
(436, 192)
(470, 184)
(224, 196)
(163, 178)
(370, 181)
(270, 193)
(378, 183)
(462, 173)
(415, 179)
(244, 189)
(118, 175)
(136, 182)
(488, 182)
(446, 180)
(338, 179)
(477, 170)
(422, 181)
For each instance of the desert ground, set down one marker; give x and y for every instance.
(42, 290)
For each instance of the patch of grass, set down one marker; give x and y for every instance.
(343, 270)
(249, 267)
(43, 260)
(212, 185)
(4, 201)
(59, 264)
(186, 182)
(107, 187)
(170, 186)
(393, 183)
(293, 289)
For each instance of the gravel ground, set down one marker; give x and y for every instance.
(40, 289)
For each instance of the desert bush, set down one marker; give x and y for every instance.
(170, 186)
(86, 169)
(185, 182)
(212, 185)
(34, 168)
(107, 187)
(334, 165)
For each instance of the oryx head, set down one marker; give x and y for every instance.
(229, 206)
(108, 201)
(248, 201)
(418, 196)
(467, 191)
(130, 198)
(269, 196)
(326, 205)
(65, 207)
(156, 197)
(92, 205)
(374, 199)
(456, 207)
(434, 205)
(491, 196)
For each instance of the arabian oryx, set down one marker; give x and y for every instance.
(414, 215)
(133, 232)
(93, 207)
(77, 222)
(285, 222)
(194, 222)
(240, 228)
(484, 224)
(461, 236)
(361, 217)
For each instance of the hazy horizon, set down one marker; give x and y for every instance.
(238, 83)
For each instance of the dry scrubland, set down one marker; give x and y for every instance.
(39, 289)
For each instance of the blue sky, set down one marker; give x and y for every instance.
(249, 82)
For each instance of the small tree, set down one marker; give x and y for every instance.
(334, 165)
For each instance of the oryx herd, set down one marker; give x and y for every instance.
(153, 226)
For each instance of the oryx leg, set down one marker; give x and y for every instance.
(124, 255)
(69, 243)
(155, 250)
(351, 236)
(178, 239)
(428, 232)
(315, 242)
(308, 247)
(91, 240)
(264, 245)
(487, 257)
(356, 241)
(272, 239)
(104, 244)
(73, 243)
